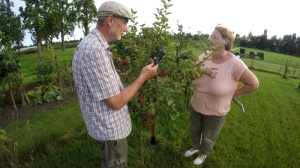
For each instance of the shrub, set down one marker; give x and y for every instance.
(44, 93)
(44, 71)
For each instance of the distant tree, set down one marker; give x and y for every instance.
(298, 46)
(67, 25)
(86, 14)
(50, 30)
(273, 44)
(47, 19)
(199, 36)
(34, 20)
(10, 24)
(237, 40)
(183, 40)
(65, 19)
(19, 33)
(280, 45)
(250, 36)
(243, 41)
(289, 44)
(250, 40)
(261, 42)
(6, 20)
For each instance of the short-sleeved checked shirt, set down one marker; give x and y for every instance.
(96, 79)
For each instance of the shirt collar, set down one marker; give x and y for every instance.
(101, 38)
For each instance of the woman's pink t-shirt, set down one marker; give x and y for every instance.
(213, 96)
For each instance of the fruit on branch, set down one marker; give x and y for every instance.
(162, 74)
(152, 113)
(152, 122)
(126, 62)
(141, 100)
(145, 124)
(146, 116)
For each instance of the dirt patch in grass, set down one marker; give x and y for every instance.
(8, 114)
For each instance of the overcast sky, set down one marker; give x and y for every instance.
(278, 17)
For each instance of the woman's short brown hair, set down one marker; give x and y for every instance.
(227, 35)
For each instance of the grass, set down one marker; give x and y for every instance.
(271, 57)
(266, 135)
(30, 61)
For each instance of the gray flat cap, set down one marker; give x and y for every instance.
(114, 8)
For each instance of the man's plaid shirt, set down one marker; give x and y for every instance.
(96, 79)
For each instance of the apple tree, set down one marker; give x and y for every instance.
(159, 95)
(9, 67)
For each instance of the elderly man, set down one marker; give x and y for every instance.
(102, 96)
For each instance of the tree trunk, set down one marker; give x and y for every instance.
(62, 40)
(24, 96)
(141, 139)
(69, 77)
(58, 74)
(23, 99)
(12, 95)
(46, 44)
(39, 43)
(187, 98)
(153, 134)
(39, 47)
(86, 28)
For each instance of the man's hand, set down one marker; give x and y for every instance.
(119, 100)
(148, 71)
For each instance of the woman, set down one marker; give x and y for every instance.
(214, 90)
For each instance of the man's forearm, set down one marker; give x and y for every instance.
(120, 100)
(128, 93)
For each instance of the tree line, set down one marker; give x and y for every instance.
(288, 44)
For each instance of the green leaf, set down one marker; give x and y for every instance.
(59, 98)
(2, 131)
(174, 115)
(170, 102)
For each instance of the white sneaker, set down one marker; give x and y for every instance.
(199, 161)
(189, 153)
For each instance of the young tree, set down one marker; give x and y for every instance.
(9, 68)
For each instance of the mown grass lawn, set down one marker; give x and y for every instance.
(265, 135)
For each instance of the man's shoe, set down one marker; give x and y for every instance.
(189, 153)
(198, 160)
